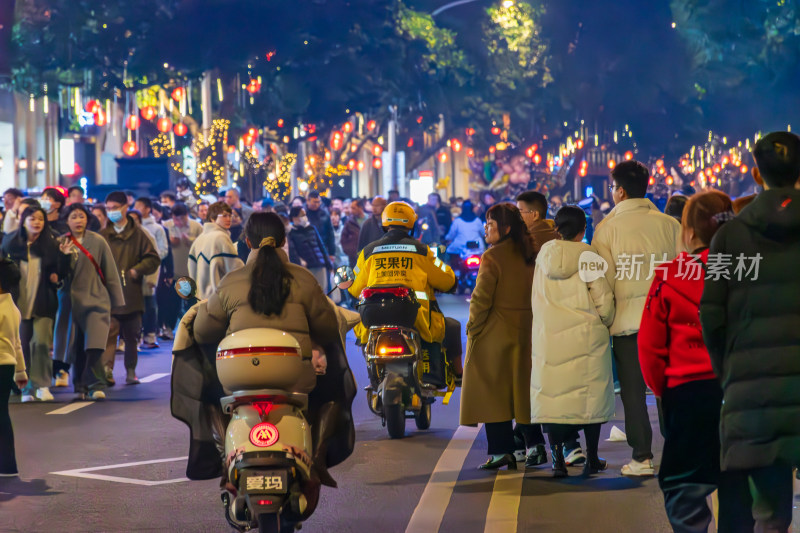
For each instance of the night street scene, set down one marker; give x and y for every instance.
(404, 266)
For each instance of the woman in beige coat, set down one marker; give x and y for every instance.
(571, 384)
(496, 384)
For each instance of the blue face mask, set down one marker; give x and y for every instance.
(46, 205)
(185, 288)
(115, 216)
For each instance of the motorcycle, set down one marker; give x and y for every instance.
(470, 262)
(399, 368)
(268, 444)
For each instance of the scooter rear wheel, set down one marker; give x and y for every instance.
(395, 420)
(423, 417)
(271, 523)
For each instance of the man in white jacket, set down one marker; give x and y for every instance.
(213, 254)
(634, 239)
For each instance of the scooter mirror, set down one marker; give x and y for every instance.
(344, 277)
(186, 288)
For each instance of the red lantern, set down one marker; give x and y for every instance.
(455, 145)
(327, 155)
(132, 122)
(582, 172)
(611, 164)
(443, 157)
(669, 180)
(92, 106)
(360, 165)
(743, 169)
(628, 155)
(351, 164)
(492, 149)
(130, 148)
(377, 150)
(717, 168)
(248, 139)
(579, 144)
(253, 87)
(495, 131)
(100, 117)
(537, 159)
(470, 132)
(377, 163)
(347, 127)
(410, 142)
(180, 129)
(336, 140)
(371, 125)
(253, 132)
(470, 152)
(178, 94)
(231, 149)
(652, 181)
(280, 122)
(164, 124)
(148, 113)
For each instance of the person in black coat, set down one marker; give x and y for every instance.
(306, 247)
(34, 249)
(319, 218)
(372, 229)
(750, 313)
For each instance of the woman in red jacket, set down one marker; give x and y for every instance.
(677, 367)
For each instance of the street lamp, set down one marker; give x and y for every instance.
(22, 164)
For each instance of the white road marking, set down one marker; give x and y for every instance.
(504, 505)
(435, 498)
(153, 377)
(74, 406)
(84, 473)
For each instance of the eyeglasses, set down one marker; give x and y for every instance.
(612, 187)
(525, 212)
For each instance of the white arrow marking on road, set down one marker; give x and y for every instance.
(84, 473)
(153, 377)
(74, 406)
(504, 505)
(435, 498)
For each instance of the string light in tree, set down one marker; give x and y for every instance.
(277, 185)
(211, 165)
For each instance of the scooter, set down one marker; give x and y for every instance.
(397, 364)
(268, 441)
(468, 268)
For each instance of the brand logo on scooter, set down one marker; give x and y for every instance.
(256, 361)
(264, 435)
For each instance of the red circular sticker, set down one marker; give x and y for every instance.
(264, 435)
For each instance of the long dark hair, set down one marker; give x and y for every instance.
(467, 212)
(18, 241)
(271, 280)
(508, 216)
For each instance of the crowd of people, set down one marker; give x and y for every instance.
(698, 304)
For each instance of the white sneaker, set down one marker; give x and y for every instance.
(520, 455)
(27, 398)
(637, 468)
(575, 457)
(96, 395)
(44, 395)
(62, 379)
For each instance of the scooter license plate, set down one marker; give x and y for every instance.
(267, 482)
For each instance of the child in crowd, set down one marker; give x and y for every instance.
(571, 382)
(677, 368)
(12, 362)
(751, 326)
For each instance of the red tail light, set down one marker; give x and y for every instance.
(264, 502)
(399, 292)
(391, 350)
(473, 261)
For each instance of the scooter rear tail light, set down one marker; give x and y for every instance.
(391, 350)
(264, 502)
(473, 261)
(400, 292)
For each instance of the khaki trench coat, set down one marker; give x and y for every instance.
(497, 369)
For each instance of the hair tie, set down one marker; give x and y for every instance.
(268, 241)
(723, 217)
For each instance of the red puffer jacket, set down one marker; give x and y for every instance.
(671, 347)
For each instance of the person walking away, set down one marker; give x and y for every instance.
(306, 247)
(319, 218)
(676, 366)
(751, 326)
(428, 222)
(571, 383)
(633, 239)
(12, 363)
(136, 258)
(497, 368)
(91, 288)
(213, 254)
(444, 216)
(150, 318)
(183, 232)
(533, 206)
(52, 201)
(352, 230)
(35, 251)
(466, 228)
(372, 228)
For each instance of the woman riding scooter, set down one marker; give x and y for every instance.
(270, 292)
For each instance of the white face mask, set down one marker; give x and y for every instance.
(46, 205)
(303, 222)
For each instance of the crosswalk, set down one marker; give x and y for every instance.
(74, 406)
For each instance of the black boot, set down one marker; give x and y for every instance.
(506, 460)
(559, 466)
(594, 465)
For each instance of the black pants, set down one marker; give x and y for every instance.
(169, 304)
(633, 392)
(88, 373)
(128, 327)
(8, 458)
(761, 495)
(500, 436)
(150, 317)
(568, 433)
(690, 461)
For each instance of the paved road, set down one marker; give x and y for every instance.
(115, 444)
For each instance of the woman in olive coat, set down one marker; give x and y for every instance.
(497, 370)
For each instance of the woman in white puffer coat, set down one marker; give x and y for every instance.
(571, 381)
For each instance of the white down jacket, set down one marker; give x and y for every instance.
(571, 381)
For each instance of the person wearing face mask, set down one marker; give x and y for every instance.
(136, 258)
(52, 201)
(34, 249)
(306, 247)
(213, 254)
(91, 288)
